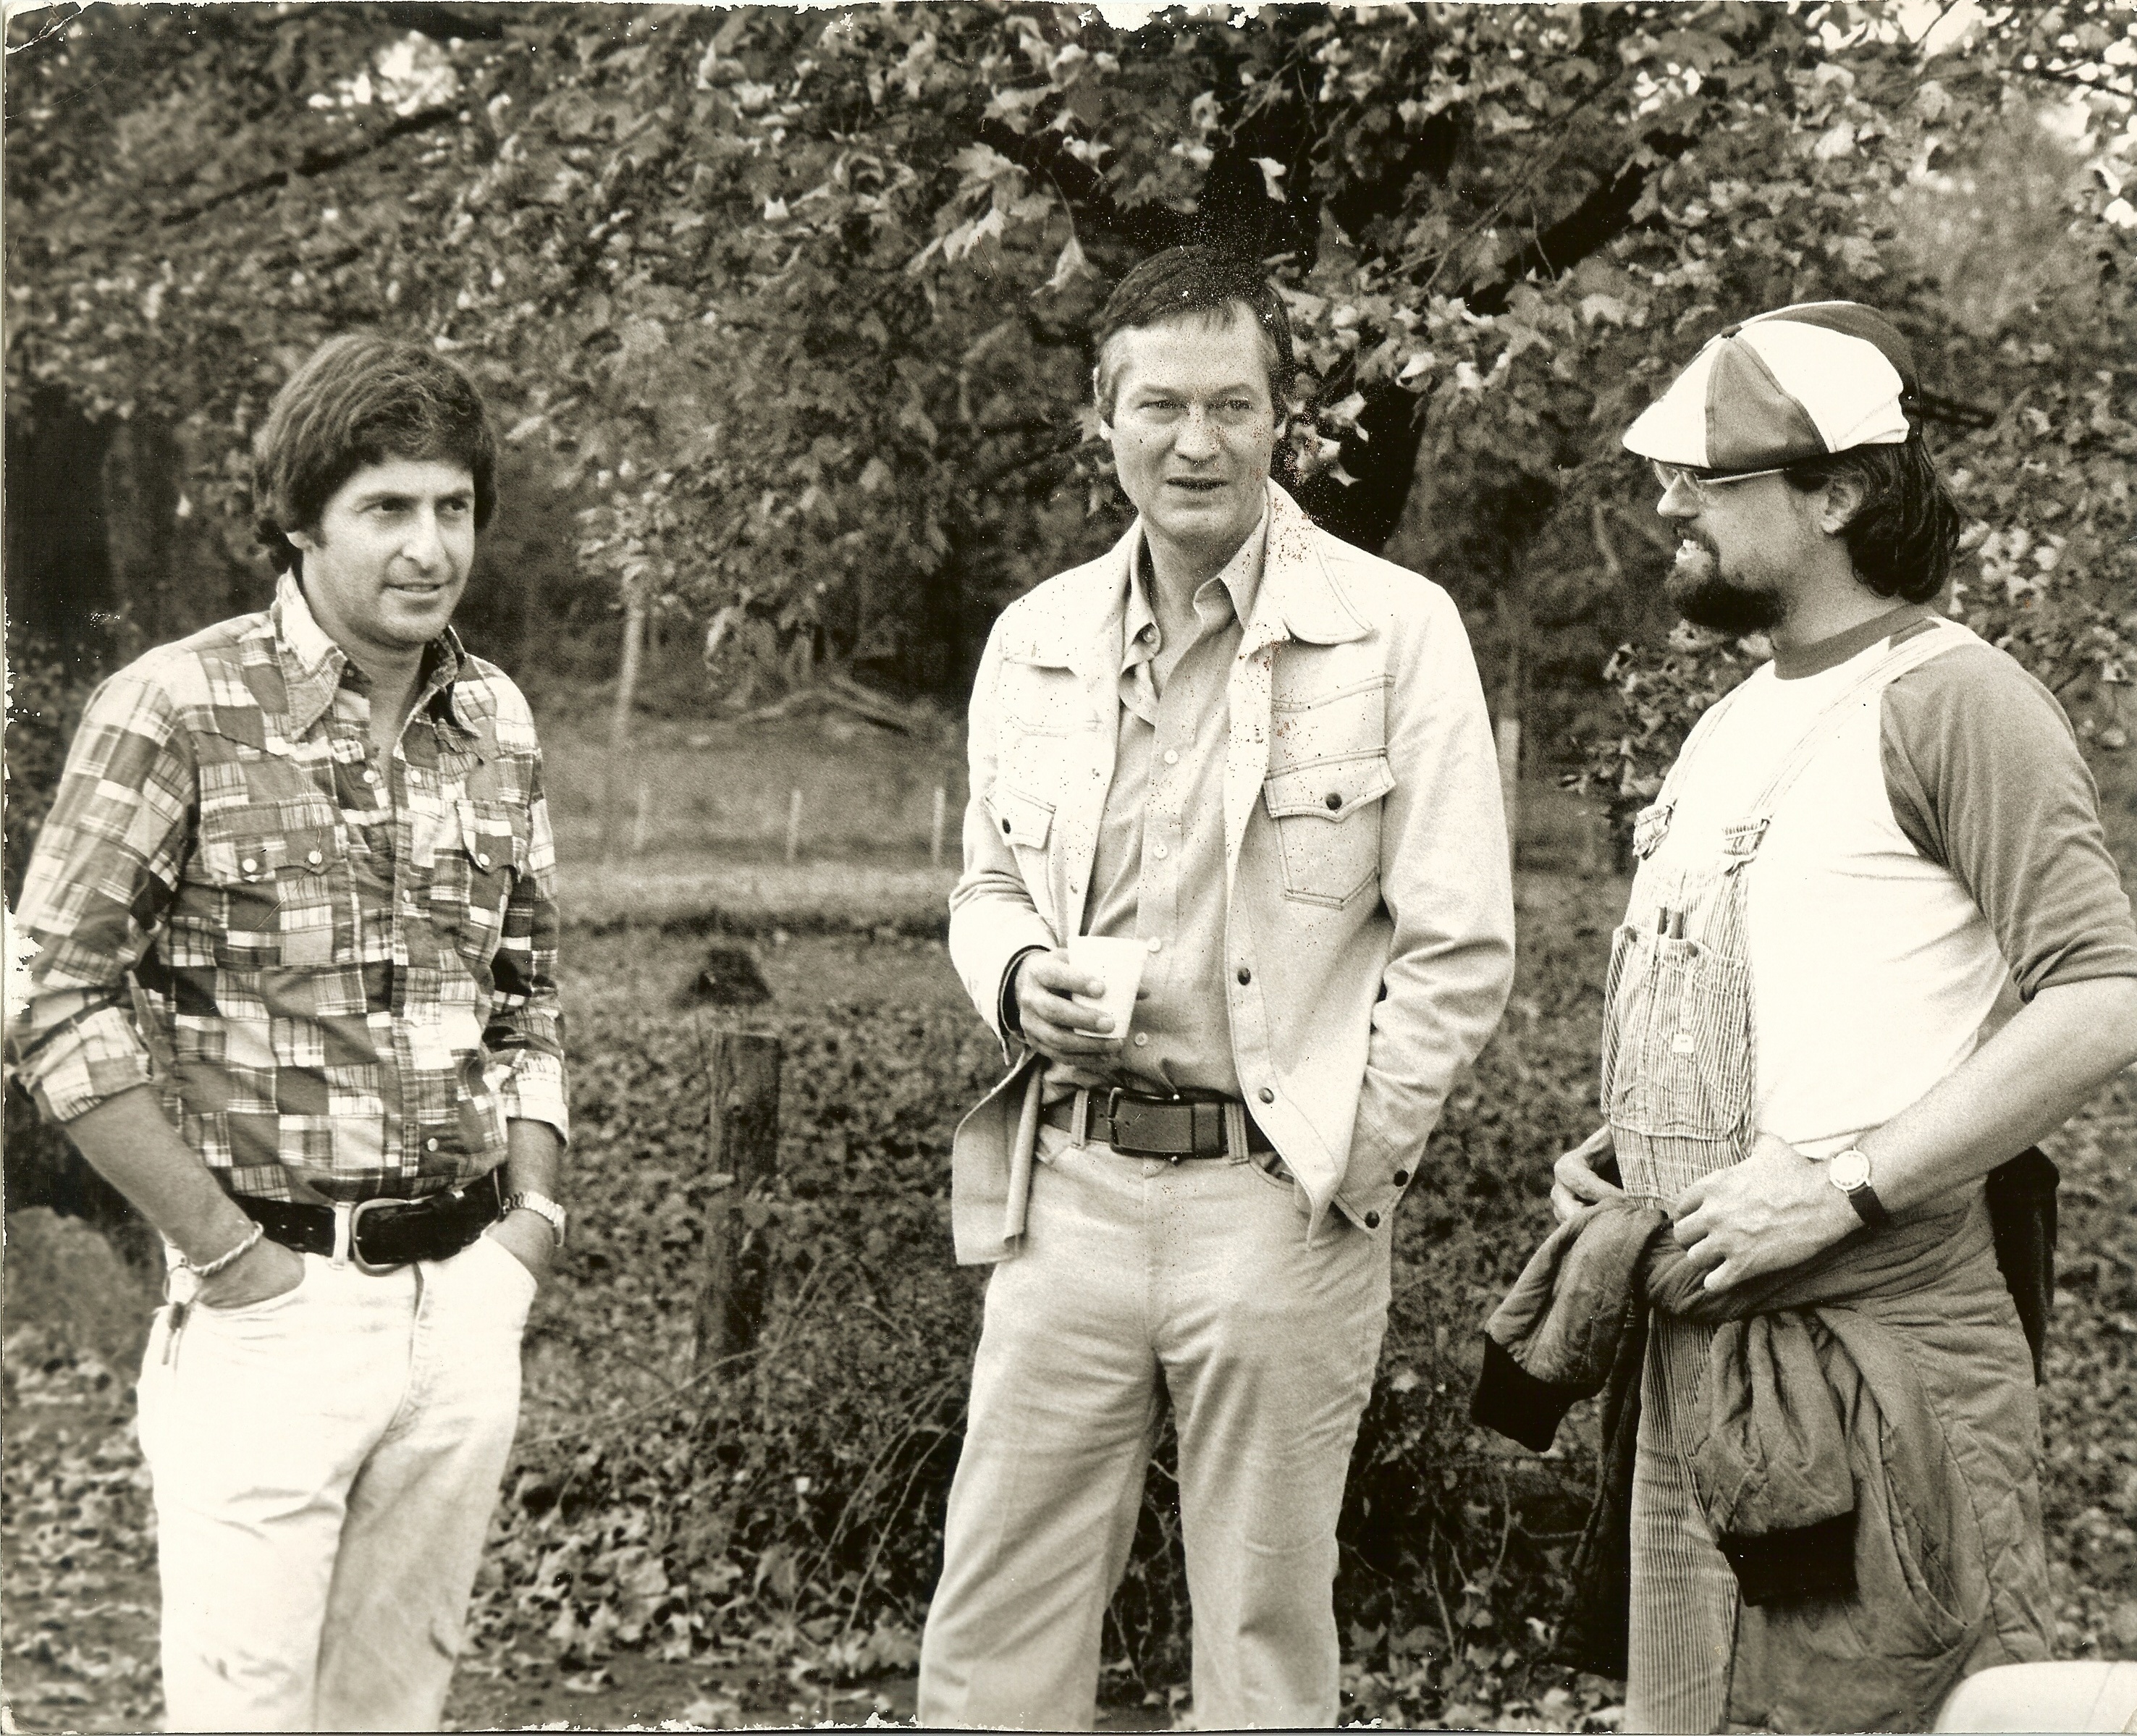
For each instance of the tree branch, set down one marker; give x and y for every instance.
(312, 162)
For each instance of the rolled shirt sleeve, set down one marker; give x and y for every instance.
(102, 875)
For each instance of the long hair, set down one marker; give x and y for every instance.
(1903, 537)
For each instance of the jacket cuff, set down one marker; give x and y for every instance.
(1007, 1020)
(1793, 1566)
(1511, 1401)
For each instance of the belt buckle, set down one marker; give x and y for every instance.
(1114, 1104)
(355, 1237)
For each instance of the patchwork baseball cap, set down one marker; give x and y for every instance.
(1798, 382)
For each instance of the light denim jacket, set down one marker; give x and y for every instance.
(1369, 904)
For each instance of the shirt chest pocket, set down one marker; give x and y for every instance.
(476, 875)
(281, 873)
(1327, 818)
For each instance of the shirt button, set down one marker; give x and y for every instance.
(1246, 975)
(369, 775)
(1160, 852)
(250, 865)
(430, 1145)
(1402, 1177)
(1334, 800)
(1142, 1039)
(314, 857)
(1372, 1220)
(1156, 944)
(1171, 758)
(1266, 1095)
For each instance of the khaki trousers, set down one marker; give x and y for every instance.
(1134, 1271)
(325, 1466)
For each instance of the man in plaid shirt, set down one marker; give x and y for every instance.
(294, 992)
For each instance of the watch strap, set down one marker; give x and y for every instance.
(1868, 1207)
(543, 1207)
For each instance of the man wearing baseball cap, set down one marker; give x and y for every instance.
(1875, 948)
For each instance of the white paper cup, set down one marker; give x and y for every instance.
(1117, 964)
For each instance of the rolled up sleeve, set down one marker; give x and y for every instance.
(100, 882)
(526, 1026)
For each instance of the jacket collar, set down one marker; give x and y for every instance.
(1298, 599)
(312, 663)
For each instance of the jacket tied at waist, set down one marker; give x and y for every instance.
(1863, 1449)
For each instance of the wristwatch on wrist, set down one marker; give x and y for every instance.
(1849, 1171)
(543, 1207)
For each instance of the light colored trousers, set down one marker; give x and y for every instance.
(1135, 1270)
(326, 1463)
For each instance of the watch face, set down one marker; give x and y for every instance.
(1850, 1170)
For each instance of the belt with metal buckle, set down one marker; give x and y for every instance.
(1168, 1127)
(378, 1235)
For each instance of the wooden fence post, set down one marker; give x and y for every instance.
(742, 1144)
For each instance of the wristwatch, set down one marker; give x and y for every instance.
(1849, 1171)
(543, 1207)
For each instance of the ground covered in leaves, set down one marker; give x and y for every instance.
(721, 1545)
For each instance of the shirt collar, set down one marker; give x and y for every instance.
(1241, 578)
(313, 664)
(1836, 649)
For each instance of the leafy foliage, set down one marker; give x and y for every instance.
(800, 298)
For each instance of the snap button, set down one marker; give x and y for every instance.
(482, 858)
(1266, 1095)
(1246, 975)
(250, 865)
(1156, 944)
(314, 857)
(1159, 852)
(1372, 1220)
(369, 775)
(1142, 1039)
(430, 1145)
(1171, 758)
(1335, 800)
(1402, 1177)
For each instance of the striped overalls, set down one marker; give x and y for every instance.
(1679, 1077)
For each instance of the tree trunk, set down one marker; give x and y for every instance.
(741, 1157)
(618, 722)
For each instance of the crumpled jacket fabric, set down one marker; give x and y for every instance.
(1866, 1451)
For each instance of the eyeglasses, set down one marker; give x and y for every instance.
(1701, 482)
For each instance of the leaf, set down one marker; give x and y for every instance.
(1272, 174)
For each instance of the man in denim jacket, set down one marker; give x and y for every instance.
(1262, 756)
(293, 991)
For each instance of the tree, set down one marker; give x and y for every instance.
(798, 301)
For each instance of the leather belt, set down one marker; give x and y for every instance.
(1169, 1127)
(380, 1234)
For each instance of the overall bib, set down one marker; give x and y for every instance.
(1679, 1077)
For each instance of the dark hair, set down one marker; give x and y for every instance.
(1203, 281)
(1903, 536)
(360, 400)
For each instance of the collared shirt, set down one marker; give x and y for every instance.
(1157, 873)
(337, 970)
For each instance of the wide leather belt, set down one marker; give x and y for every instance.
(380, 1234)
(1168, 1127)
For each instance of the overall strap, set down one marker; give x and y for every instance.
(1741, 840)
(1651, 824)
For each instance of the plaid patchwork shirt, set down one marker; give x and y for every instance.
(339, 972)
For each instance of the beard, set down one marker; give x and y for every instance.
(1703, 597)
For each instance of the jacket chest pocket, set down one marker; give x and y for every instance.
(279, 871)
(475, 877)
(1327, 818)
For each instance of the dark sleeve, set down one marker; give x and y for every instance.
(1984, 777)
